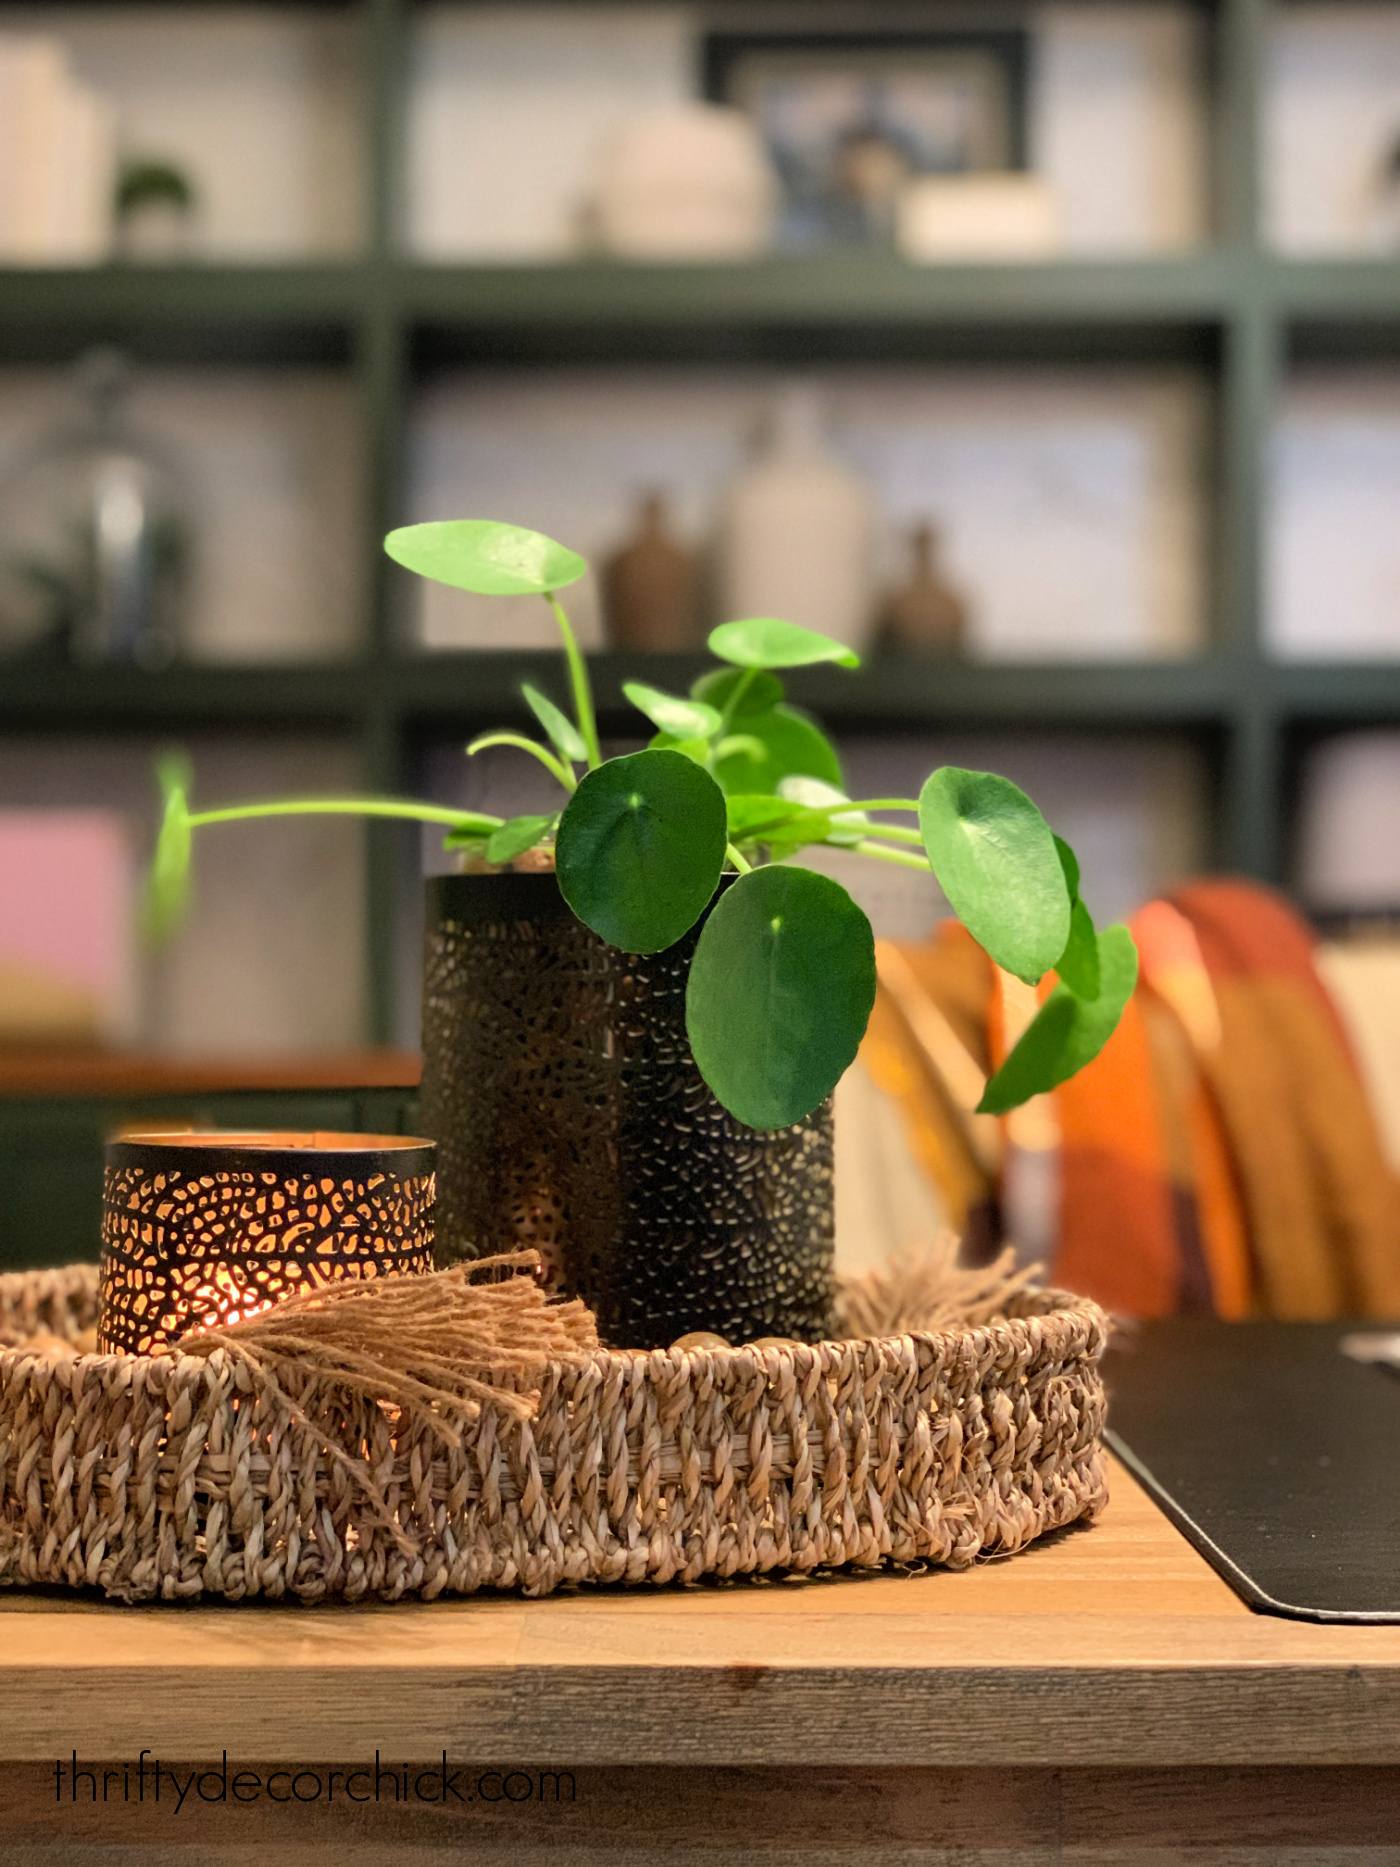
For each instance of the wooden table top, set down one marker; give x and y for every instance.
(77, 1072)
(1114, 1644)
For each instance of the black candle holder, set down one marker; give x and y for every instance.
(201, 1229)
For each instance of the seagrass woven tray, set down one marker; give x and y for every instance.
(174, 1476)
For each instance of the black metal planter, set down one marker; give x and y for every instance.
(569, 1115)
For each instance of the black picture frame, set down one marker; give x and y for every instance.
(824, 199)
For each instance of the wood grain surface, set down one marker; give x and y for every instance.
(1110, 1646)
(77, 1072)
(900, 1817)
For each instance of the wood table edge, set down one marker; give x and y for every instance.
(1154, 1662)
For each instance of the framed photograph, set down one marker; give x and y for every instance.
(848, 118)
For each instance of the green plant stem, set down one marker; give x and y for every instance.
(343, 807)
(744, 867)
(556, 767)
(881, 803)
(731, 706)
(892, 832)
(578, 678)
(894, 855)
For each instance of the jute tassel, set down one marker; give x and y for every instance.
(427, 1345)
(923, 1291)
(424, 1344)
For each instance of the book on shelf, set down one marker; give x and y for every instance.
(68, 962)
(58, 157)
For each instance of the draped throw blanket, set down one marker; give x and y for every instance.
(1220, 1154)
(1323, 1204)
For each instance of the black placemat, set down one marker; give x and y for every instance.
(1276, 1454)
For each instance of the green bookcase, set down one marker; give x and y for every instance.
(1232, 310)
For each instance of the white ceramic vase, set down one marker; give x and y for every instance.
(797, 530)
(691, 183)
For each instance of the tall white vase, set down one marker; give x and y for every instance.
(797, 530)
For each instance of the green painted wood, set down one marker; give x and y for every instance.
(1248, 831)
(1363, 290)
(183, 314)
(1251, 369)
(876, 291)
(392, 856)
(57, 696)
(403, 700)
(1336, 694)
(384, 338)
(1251, 835)
(50, 1184)
(205, 291)
(442, 692)
(1241, 30)
(829, 288)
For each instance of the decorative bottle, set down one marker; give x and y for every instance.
(924, 616)
(797, 531)
(651, 587)
(93, 535)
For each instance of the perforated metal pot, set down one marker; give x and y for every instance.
(569, 1115)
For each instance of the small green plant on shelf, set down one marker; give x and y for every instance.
(734, 783)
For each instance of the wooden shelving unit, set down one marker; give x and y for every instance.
(1233, 311)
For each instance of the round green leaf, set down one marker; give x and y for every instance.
(640, 848)
(996, 860)
(778, 822)
(751, 814)
(1078, 965)
(766, 642)
(515, 837)
(682, 719)
(848, 827)
(1067, 1032)
(1069, 862)
(761, 691)
(481, 555)
(696, 749)
(794, 746)
(780, 993)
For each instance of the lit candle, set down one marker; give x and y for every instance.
(205, 1229)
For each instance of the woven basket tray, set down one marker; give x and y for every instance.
(170, 1477)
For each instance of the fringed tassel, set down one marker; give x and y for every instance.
(426, 1345)
(927, 1290)
(423, 1344)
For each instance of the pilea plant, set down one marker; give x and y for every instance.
(735, 782)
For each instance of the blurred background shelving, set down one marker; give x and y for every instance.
(351, 362)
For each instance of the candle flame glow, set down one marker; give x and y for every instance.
(224, 1300)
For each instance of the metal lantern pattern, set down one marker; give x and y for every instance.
(204, 1229)
(570, 1116)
